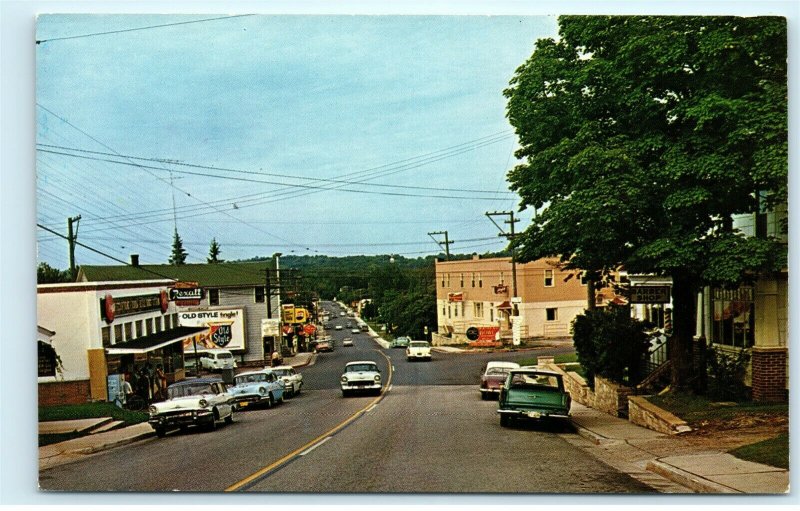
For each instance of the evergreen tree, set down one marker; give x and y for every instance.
(213, 252)
(178, 255)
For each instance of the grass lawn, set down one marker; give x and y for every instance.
(84, 411)
(773, 452)
(565, 358)
(695, 409)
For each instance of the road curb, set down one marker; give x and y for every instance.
(593, 437)
(311, 360)
(110, 445)
(687, 479)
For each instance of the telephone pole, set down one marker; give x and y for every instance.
(510, 236)
(447, 242)
(71, 239)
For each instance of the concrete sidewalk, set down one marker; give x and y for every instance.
(641, 452)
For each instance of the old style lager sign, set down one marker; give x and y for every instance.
(650, 294)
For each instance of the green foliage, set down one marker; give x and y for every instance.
(46, 274)
(611, 344)
(89, 411)
(726, 371)
(213, 252)
(178, 255)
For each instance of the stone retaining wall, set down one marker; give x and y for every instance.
(644, 413)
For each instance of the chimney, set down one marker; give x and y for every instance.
(475, 256)
(134, 259)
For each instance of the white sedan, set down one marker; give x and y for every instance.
(338, 327)
(194, 402)
(347, 341)
(361, 376)
(292, 380)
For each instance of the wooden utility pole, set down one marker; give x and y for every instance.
(510, 236)
(71, 239)
(447, 242)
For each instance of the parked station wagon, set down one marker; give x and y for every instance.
(533, 393)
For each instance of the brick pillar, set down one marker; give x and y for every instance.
(769, 374)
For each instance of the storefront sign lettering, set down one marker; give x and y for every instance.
(650, 294)
(127, 305)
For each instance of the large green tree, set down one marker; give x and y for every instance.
(640, 137)
(178, 255)
(213, 252)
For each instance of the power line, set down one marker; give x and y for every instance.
(40, 41)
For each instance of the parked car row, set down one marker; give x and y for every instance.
(528, 392)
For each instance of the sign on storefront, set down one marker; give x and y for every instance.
(270, 327)
(650, 294)
(455, 297)
(184, 294)
(224, 329)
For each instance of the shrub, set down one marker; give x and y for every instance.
(611, 344)
(726, 372)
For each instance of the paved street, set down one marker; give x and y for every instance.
(430, 433)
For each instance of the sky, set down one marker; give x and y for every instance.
(248, 116)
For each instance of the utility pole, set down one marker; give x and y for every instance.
(446, 242)
(71, 239)
(510, 236)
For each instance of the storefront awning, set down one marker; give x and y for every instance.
(154, 341)
(504, 306)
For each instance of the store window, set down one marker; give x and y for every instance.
(455, 308)
(733, 317)
(167, 322)
(118, 334)
(213, 296)
(149, 324)
(139, 328)
(444, 310)
(259, 294)
(175, 323)
(47, 360)
(105, 334)
(548, 278)
(478, 309)
(158, 324)
(491, 314)
(551, 314)
(128, 331)
(449, 312)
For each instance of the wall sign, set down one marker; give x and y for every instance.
(455, 297)
(225, 329)
(126, 305)
(184, 296)
(650, 294)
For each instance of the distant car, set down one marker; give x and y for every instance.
(192, 402)
(342, 314)
(361, 376)
(262, 387)
(338, 327)
(324, 345)
(400, 342)
(292, 380)
(349, 324)
(218, 360)
(533, 393)
(364, 327)
(347, 341)
(493, 377)
(355, 331)
(418, 350)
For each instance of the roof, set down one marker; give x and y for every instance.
(361, 362)
(206, 275)
(154, 341)
(260, 371)
(496, 363)
(205, 379)
(534, 369)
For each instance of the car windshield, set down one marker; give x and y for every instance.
(523, 380)
(419, 344)
(282, 372)
(251, 378)
(189, 390)
(361, 367)
(502, 371)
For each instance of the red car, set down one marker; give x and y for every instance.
(494, 374)
(324, 346)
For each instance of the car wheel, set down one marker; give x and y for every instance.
(505, 421)
(484, 397)
(229, 418)
(211, 425)
(270, 401)
(345, 393)
(280, 401)
(161, 432)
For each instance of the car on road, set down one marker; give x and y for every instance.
(349, 324)
(347, 341)
(262, 387)
(355, 331)
(192, 402)
(364, 327)
(217, 360)
(361, 376)
(493, 377)
(418, 350)
(324, 345)
(292, 380)
(533, 393)
(338, 327)
(342, 313)
(400, 342)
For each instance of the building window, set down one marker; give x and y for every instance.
(491, 314)
(448, 279)
(139, 331)
(480, 281)
(213, 296)
(167, 322)
(175, 320)
(149, 323)
(734, 317)
(259, 295)
(128, 331)
(118, 334)
(444, 310)
(473, 280)
(442, 279)
(548, 278)
(462, 280)
(502, 278)
(552, 314)
(105, 334)
(478, 309)
(158, 324)
(449, 312)
(47, 360)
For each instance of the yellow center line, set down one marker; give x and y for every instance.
(334, 430)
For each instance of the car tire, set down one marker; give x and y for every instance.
(270, 401)
(229, 418)
(484, 396)
(212, 424)
(345, 393)
(505, 420)
(161, 432)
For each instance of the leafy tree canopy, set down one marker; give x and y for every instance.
(46, 274)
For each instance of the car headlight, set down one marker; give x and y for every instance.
(344, 379)
(153, 409)
(377, 377)
(203, 403)
(262, 390)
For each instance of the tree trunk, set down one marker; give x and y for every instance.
(591, 301)
(683, 328)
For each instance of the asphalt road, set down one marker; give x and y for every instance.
(430, 432)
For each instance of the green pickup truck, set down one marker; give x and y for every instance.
(533, 393)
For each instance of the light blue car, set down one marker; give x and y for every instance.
(262, 387)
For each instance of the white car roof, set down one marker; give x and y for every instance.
(362, 362)
(509, 365)
(280, 367)
(260, 371)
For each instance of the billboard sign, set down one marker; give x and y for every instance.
(224, 329)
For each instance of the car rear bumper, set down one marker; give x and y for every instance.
(490, 390)
(536, 414)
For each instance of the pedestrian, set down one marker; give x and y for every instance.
(276, 359)
(161, 381)
(127, 389)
